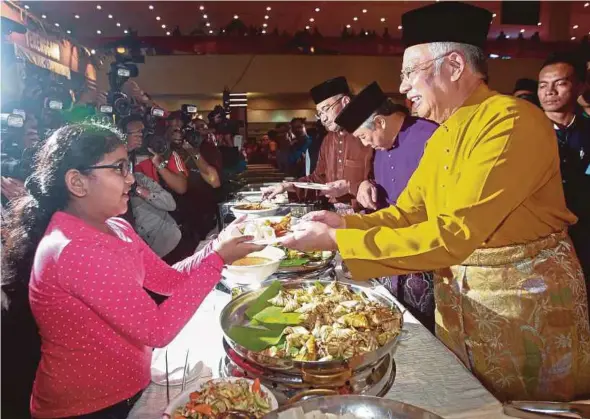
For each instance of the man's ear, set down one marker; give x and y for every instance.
(76, 183)
(379, 121)
(345, 100)
(458, 65)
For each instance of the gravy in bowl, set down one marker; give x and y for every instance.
(251, 261)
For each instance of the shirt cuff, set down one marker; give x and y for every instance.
(354, 221)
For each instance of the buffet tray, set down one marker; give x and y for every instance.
(234, 313)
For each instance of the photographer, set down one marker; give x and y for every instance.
(196, 210)
(150, 203)
(165, 166)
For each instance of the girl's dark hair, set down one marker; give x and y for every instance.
(76, 146)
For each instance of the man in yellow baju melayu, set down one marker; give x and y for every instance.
(485, 209)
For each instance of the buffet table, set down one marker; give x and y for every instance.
(428, 374)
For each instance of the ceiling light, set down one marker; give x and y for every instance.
(355, 18)
(201, 7)
(56, 24)
(539, 24)
(44, 16)
(204, 16)
(382, 19)
(522, 31)
(125, 31)
(99, 7)
(366, 32)
(223, 30)
(151, 7)
(266, 17)
(168, 33)
(307, 27)
(158, 18)
(121, 50)
(110, 16)
(77, 16)
(507, 36)
(317, 9)
(210, 31)
(575, 26)
(118, 24)
(347, 26)
(364, 10)
(494, 15)
(494, 56)
(573, 38)
(236, 17)
(264, 25)
(587, 4)
(268, 9)
(163, 26)
(93, 51)
(68, 31)
(311, 19)
(263, 31)
(207, 24)
(27, 6)
(99, 32)
(400, 27)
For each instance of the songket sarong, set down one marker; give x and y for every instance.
(517, 317)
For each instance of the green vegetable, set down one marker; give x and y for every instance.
(293, 262)
(254, 338)
(275, 316)
(262, 301)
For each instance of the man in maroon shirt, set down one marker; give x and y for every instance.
(343, 162)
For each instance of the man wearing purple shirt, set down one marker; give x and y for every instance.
(399, 141)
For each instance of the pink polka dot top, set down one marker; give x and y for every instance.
(97, 324)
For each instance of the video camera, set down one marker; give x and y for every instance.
(151, 140)
(16, 161)
(191, 136)
(121, 71)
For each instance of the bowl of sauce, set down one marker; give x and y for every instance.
(254, 268)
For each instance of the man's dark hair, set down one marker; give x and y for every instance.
(174, 115)
(124, 122)
(570, 59)
(298, 119)
(272, 134)
(389, 107)
(281, 125)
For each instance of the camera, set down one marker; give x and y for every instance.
(151, 140)
(121, 70)
(191, 136)
(16, 161)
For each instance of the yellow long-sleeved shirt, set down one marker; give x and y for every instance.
(489, 177)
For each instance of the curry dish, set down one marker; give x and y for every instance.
(251, 207)
(337, 323)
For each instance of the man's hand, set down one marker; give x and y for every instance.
(189, 148)
(337, 189)
(310, 236)
(156, 158)
(367, 195)
(142, 192)
(270, 193)
(12, 188)
(331, 219)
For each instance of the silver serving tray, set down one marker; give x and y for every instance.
(363, 407)
(234, 313)
(311, 266)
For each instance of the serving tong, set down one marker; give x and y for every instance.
(537, 410)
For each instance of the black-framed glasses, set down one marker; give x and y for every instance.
(326, 109)
(122, 167)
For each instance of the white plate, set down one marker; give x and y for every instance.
(262, 220)
(184, 397)
(314, 186)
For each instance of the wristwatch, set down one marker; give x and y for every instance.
(197, 156)
(162, 165)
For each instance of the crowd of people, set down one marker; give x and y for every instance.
(471, 207)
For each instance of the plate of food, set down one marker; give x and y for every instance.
(255, 209)
(266, 231)
(311, 185)
(300, 262)
(223, 398)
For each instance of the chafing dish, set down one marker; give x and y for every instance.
(234, 314)
(363, 407)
